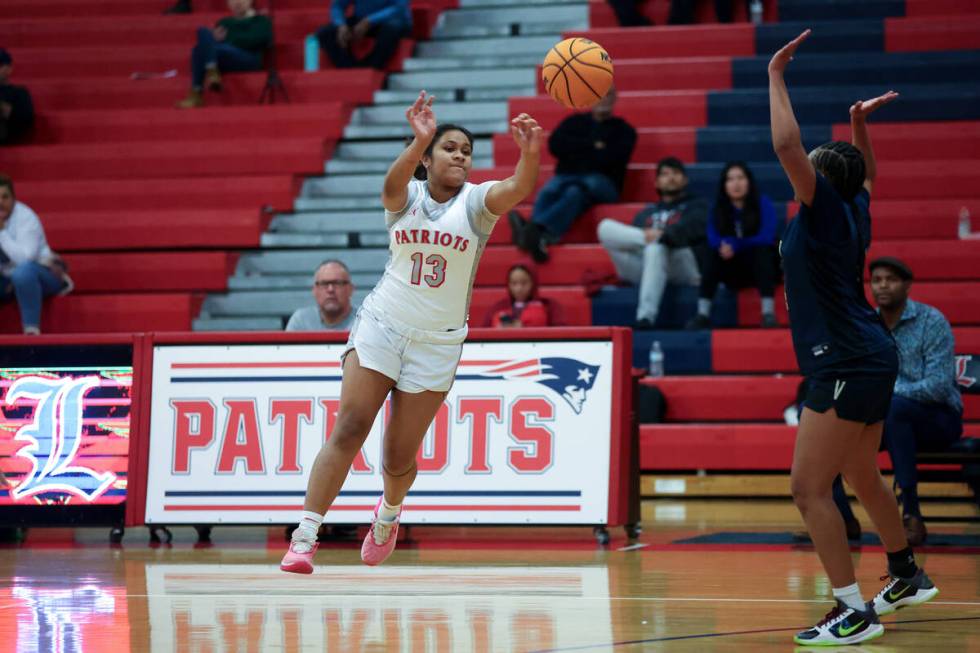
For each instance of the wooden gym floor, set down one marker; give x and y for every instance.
(456, 589)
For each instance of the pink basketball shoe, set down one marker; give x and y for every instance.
(299, 558)
(380, 539)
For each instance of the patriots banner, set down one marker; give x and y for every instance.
(523, 436)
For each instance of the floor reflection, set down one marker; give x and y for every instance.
(341, 608)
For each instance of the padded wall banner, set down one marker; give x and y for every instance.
(522, 438)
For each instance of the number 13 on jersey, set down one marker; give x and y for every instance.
(435, 277)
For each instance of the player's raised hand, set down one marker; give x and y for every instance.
(861, 108)
(527, 133)
(782, 58)
(422, 119)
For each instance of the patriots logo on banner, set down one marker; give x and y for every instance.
(54, 437)
(571, 379)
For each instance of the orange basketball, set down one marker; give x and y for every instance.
(577, 73)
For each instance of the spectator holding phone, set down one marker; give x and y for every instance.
(523, 307)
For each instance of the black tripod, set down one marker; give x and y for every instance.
(273, 82)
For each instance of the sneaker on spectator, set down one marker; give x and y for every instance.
(193, 100)
(212, 79)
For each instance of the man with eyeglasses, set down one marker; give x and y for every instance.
(332, 290)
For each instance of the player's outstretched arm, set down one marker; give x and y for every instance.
(394, 194)
(505, 195)
(861, 137)
(786, 140)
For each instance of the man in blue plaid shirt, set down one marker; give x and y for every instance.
(926, 411)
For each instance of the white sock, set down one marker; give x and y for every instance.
(309, 526)
(851, 596)
(704, 307)
(768, 306)
(388, 512)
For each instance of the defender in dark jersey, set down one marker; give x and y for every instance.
(849, 359)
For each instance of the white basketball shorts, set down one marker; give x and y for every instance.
(415, 359)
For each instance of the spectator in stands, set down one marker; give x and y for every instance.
(682, 11)
(16, 107)
(332, 291)
(628, 13)
(662, 244)
(29, 270)
(387, 21)
(236, 44)
(523, 307)
(926, 412)
(592, 151)
(741, 244)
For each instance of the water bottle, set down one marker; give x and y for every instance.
(755, 11)
(311, 54)
(656, 359)
(965, 228)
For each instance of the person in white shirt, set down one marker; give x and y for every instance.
(409, 332)
(29, 270)
(332, 291)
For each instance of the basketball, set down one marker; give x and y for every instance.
(577, 73)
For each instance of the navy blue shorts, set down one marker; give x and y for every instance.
(859, 390)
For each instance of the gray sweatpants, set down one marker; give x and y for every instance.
(649, 265)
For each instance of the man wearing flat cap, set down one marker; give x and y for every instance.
(16, 108)
(926, 412)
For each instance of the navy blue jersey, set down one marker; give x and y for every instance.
(823, 251)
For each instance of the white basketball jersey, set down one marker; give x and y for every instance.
(435, 249)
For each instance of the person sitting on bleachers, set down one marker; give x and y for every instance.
(332, 291)
(926, 412)
(591, 151)
(628, 14)
(16, 107)
(386, 21)
(236, 44)
(523, 307)
(29, 270)
(661, 244)
(741, 244)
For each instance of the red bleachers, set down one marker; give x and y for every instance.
(177, 158)
(116, 313)
(918, 8)
(939, 33)
(959, 302)
(157, 194)
(69, 231)
(575, 305)
(904, 141)
(726, 398)
(151, 271)
(716, 447)
(742, 398)
(280, 121)
(352, 86)
(771, 350)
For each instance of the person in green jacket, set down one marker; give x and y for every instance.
(235, 44)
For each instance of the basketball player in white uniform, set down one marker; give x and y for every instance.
(409, 332)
